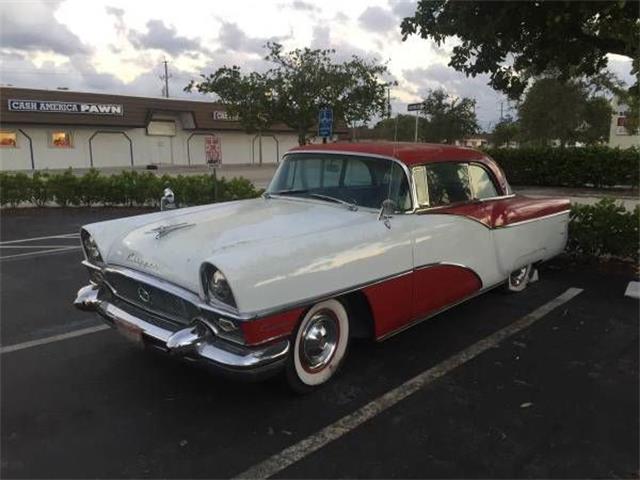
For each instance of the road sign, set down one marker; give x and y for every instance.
(212, 151)
(415, 107)
(325, 122)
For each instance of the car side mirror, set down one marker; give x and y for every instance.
(168, 200)
(387, 210)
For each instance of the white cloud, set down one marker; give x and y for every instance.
(118, 45)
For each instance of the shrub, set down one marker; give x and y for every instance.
(91, 188)
(128, 188)
(14, 188)
(604, 229)
(65, 188)
(40, 192)
(595, 166)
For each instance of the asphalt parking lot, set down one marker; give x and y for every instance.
(537, 384)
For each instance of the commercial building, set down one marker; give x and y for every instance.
(619, 136)
(54, 129)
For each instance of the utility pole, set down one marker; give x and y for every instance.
(388, 102)
(165, 77)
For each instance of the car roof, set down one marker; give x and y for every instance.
(407, 153)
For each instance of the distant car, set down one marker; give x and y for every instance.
(349, 240)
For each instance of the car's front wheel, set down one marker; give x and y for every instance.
(320, 346)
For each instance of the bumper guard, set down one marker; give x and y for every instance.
(197, 342)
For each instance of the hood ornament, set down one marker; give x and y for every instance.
(164, 230)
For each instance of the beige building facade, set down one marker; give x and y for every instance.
(44, 129)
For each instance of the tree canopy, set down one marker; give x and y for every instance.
(564, 111)
(448, 118)
(400, 128)
(301, 83)
(505, 132)
(515, 41)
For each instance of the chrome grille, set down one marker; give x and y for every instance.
(151, 299)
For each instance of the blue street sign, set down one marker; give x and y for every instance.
(325, 122)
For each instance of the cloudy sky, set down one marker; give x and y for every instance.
(117, 46)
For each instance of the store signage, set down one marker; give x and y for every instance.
(224, 116)
(212, 150)
(46, 106)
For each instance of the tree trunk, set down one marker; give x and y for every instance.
(302, 138)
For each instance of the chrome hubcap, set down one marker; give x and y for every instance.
(518, 276)
(319, 341)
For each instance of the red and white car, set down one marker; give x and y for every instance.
(363, 239)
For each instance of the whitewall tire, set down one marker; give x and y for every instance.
(319, 347)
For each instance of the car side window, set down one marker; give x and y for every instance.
(481, 183)
(448, 183)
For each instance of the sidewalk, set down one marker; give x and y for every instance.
(585, 196)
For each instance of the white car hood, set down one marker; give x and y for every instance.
(244, 239)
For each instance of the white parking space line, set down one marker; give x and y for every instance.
(74, 235)
(41, 252)
(52, 339)
(311, 444)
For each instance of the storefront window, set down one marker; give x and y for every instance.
(61, 139)
(8, 139)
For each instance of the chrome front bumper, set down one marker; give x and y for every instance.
(197, 343)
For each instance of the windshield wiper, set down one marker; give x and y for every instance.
(286, 192)
(352, 205)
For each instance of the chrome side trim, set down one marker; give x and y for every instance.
(312, 300)
(450, 264)
(198, 303)
(436, 312)
(544, 217)
(194, 299)
(499, 197)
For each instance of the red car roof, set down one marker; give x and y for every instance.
(408, 153)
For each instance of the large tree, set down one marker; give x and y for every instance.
(505, 132)
(301, 83)
(448, 118)
(513, 42)
(250, 98)
(596, 121)
(564, 111)
(400, 128)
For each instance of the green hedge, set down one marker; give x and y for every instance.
(605, 229)
(571, 167)
(129, 188)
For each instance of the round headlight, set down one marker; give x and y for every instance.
(218, 288)
(90, 247)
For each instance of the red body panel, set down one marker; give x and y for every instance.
(503, 212)
(408, 153)
(436, 287)
(271, 327)
(391, 303)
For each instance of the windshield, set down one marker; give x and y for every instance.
(362, 181)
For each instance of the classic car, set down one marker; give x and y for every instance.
(349, 240)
